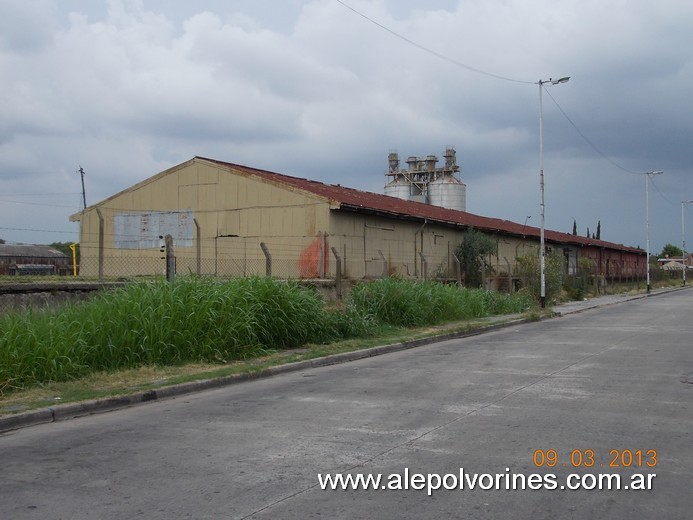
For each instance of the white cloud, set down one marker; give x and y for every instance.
(310, 88)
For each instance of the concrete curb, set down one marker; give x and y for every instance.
(73, 410)
(616, 302)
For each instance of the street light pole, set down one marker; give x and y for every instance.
(525, 225)
(647, 222)
(542, 247)
(683, 240)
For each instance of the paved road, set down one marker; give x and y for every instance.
(604, 379)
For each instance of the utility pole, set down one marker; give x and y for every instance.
(684, 260)
(542, 244)
(84, 193)
(647, 222)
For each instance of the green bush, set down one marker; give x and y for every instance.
(578, 285)
(529, 271)
(471, 252)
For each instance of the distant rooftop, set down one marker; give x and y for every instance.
(29, 251)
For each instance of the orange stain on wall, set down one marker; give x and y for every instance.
(314, 260)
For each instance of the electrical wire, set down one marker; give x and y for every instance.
(497, 76)
(659, 191)
(37, 204)
(431, 51)
(40, 194)
(38, 230)
(603, 155)
(584, 137)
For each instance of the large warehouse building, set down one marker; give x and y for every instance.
(227, 220)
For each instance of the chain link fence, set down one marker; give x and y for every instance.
(307, 258)
(331, 259)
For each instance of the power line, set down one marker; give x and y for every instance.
(590, 143)
(431, 51)
(40, 194)
(497, 76)
(660, 193)
(38, 230)
(37, 204)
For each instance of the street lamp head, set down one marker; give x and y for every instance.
(554, 81)
(659, 172)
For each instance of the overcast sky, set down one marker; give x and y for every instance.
(128, 88)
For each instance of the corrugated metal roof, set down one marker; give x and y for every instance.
(349, 198)
(29, 251)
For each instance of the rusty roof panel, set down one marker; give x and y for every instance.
(364, 200)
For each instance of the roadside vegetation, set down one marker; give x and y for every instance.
(414, 304)
(584, 283)
(200, 320)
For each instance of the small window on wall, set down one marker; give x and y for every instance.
(142, 230)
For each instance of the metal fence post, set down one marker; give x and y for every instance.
(338, 274)
(101, 238)
(424, 266)
(268, 259)
(324, 256)
(198, 268)
(458, 269)
(170, 259)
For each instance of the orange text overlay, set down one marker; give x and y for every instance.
(588, 458)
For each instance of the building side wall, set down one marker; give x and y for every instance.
(613, 264)
(360, 240)
(234, 213)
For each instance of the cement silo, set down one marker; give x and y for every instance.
(403, 189)
(423, 181)
(400, 183)
(448, 192)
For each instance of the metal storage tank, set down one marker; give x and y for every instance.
(417, 195)
(403, 189)
(448, 192)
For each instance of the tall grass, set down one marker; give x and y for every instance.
(415, 304)
(158, 323)
(203, 320)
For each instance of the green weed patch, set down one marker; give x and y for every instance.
(200, 320)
